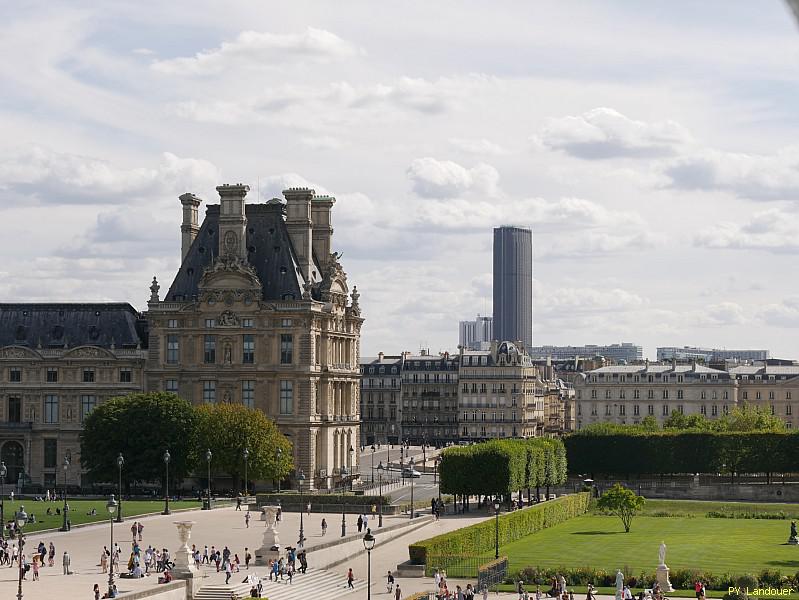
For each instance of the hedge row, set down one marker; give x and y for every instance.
(680, 578)
(292, 499)
(479, 538)
(503, 466)
(686, 452)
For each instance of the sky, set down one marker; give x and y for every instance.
(652, 147)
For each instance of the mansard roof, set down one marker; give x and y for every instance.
(270, 252)
(70, 325)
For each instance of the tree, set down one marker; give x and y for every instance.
(623, 503)
(678, 420)
(649, 423)
(227, 429)
(141, 427)
(750, 418)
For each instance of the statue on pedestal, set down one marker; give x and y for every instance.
(184, 562)
(270, 547)
(662, 573)
(619, 585)
(793, 540)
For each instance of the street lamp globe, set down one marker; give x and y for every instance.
(301, 476)
(3, 471)
(209, 455)
(368, 541)
(246, 454)
(496, 505)
(167, 457)
(21, 517)
(120, 460)
(111, 505)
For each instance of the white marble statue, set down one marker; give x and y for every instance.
(662, 553)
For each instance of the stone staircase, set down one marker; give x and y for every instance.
(316, 584)
(223, 592)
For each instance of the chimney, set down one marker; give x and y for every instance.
(322, 228)
(189, 228)
(233, 220)
(299, 225)
(380, 356)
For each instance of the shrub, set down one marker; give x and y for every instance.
(479, 538)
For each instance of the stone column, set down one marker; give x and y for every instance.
(184, 562)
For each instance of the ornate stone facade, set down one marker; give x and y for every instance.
(260, 312)
(57, 363)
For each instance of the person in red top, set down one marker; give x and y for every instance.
(698, 588)
(350, 579)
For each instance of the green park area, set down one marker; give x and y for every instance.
(694, 541)
(80, 511)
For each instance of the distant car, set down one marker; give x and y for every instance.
(553, 496)
(411, 473)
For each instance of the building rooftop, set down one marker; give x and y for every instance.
(70, 325)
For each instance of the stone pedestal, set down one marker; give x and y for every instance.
(184, 562)
(662, 576)
(270, 547)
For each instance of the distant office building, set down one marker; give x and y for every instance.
(381, 390)
(477, 334)
(513, 284)
(617, 353)
(666, 353)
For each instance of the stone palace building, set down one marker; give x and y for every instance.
(260, 312)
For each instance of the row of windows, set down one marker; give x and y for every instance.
(664, 377)
(496, 388)
(493, 416)
(52, 375)
(665, 394)
(247, 393)
(51, 413)
(426, 378)
(665, 409)
(370, 413)
(248, 349)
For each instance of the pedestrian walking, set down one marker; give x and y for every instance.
(324, 527)
(247, 519)
(96, 591)
(104, 560)
(36, 567)
(350, 579)
(134, 530)
(247, 558)
(389, 582)
(228, 572)
(139, 529)
(360, 523)
(238, 502)
(66, 561)
(397, 593)
(51, 555)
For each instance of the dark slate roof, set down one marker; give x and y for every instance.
(270, 252)
(54, 325)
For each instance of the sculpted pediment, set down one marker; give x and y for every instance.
(89, 352)
(19, 352)
(229, 273)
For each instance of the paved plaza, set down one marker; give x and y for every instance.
(226, 527)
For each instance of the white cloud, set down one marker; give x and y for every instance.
(723, 314)
(753, 176)
(434, 178)
(323, 142)
(772, 230)
(254, 49)
(605, 133)
(478, 146)
(781, 314)
(51, 177)
(571, 301)
(273, 185)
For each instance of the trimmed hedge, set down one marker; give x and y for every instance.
(640, 452)
(479, 538)
(291, 499)
(503, 466)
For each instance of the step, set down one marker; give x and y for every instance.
(223, 592)
(317, 584)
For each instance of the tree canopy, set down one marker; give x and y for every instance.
(227, 429)
(623, 503)
(141, 427)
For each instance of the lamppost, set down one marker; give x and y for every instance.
(3, 473)
(112, 507)
(380, 469)
(343, 502)
(21, 519)
(300, 481)
(246, 454)
(402, 460)
(438, 466)
(66, 466)
(208, 456)
(410, 466)
(166, 483)
(352, 465)
(368, 543)
(120, 463)
(372, 475)
(496, 528)
(279, 453)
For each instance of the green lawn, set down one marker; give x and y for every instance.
(702, 507)
(79, 508)
(716, 545)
